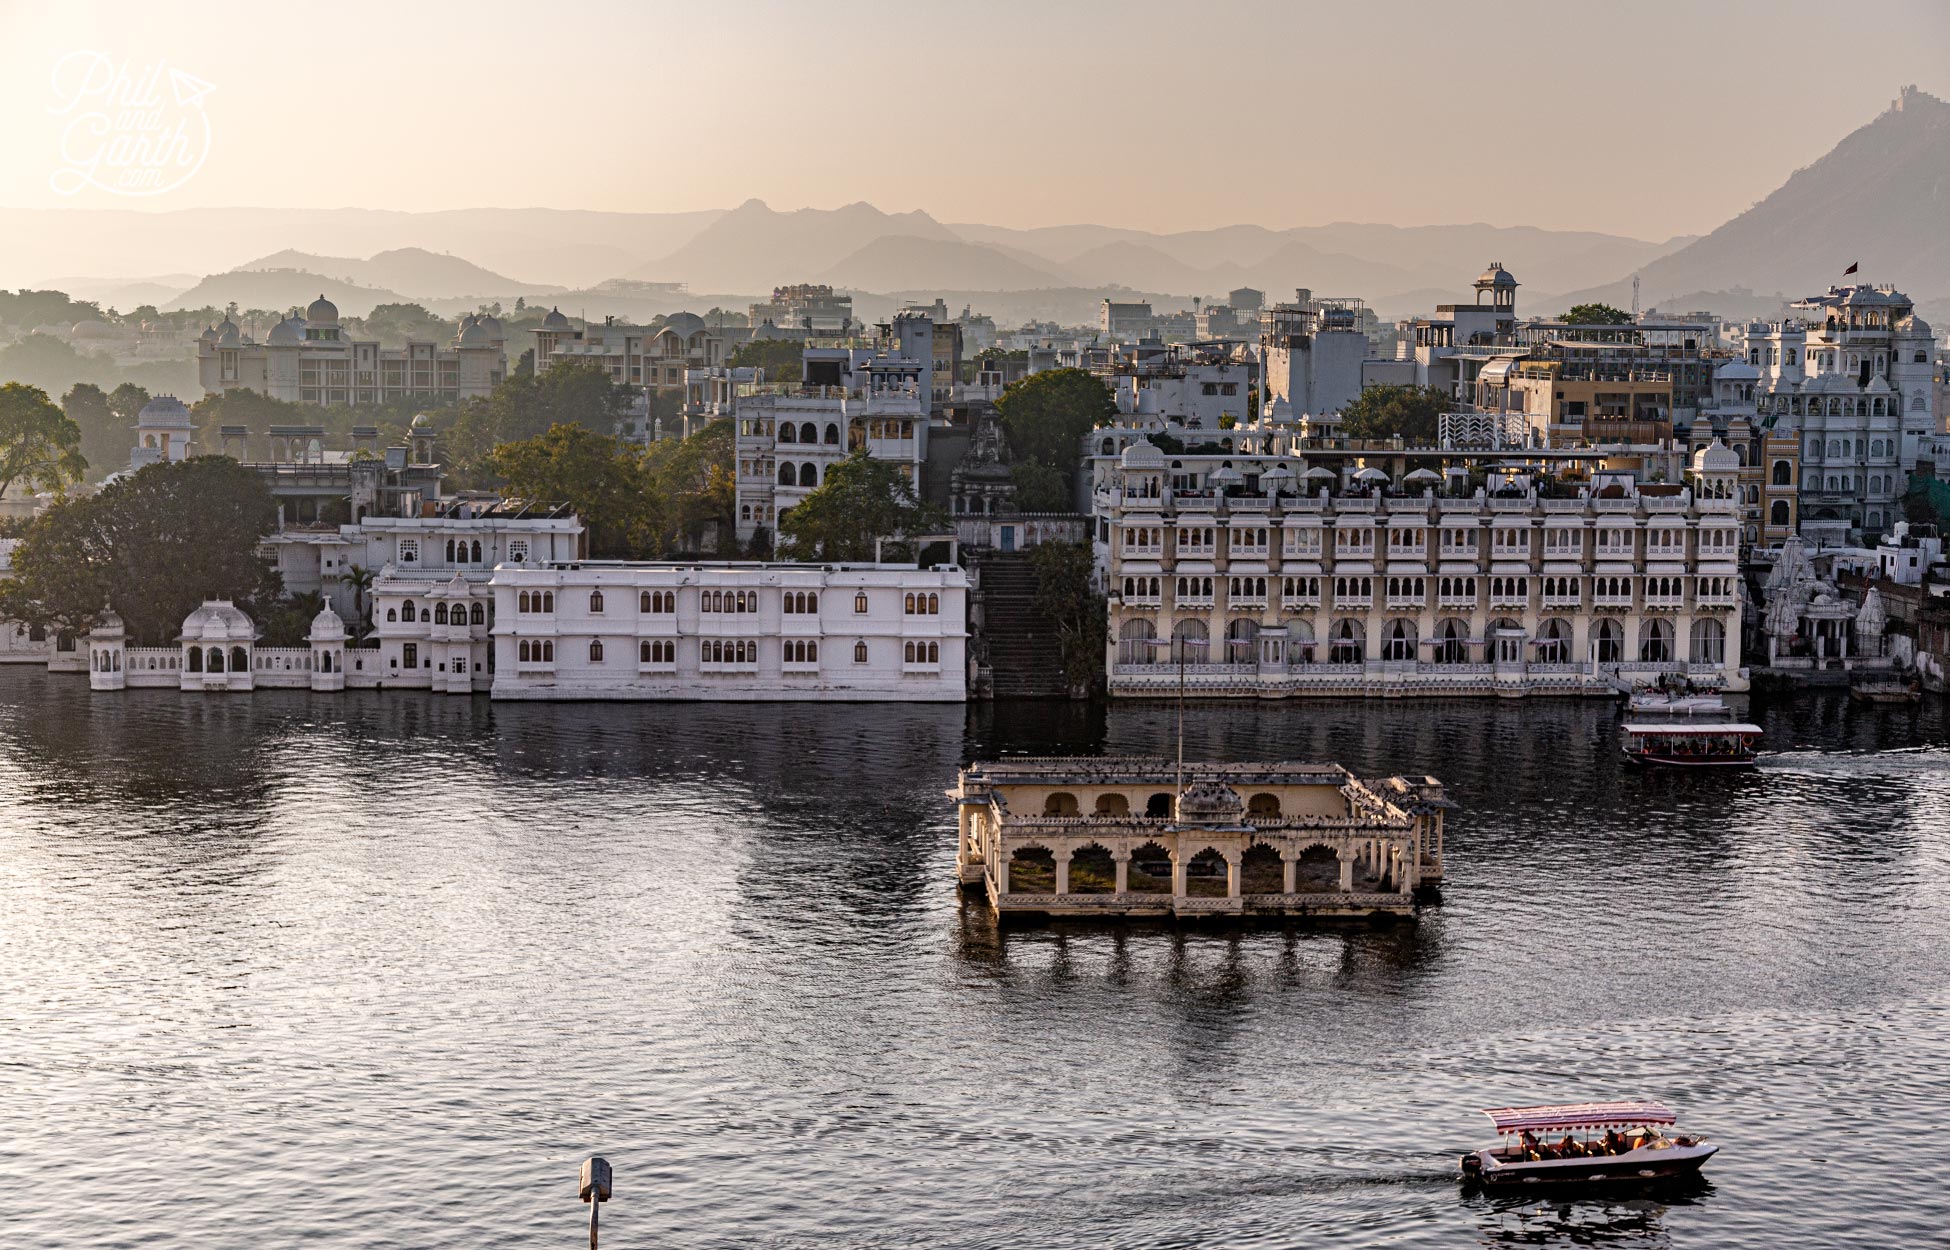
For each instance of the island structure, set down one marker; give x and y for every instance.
(1141, 836)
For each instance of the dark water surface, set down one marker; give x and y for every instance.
(379, 969)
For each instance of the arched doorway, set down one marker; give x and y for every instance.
(1149, 871)
(1317, 871)
(1032, 870)
(1261, 871)
(1092, 870)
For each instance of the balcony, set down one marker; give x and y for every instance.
(1295, 603)
(1407, 603)
(1354, 601)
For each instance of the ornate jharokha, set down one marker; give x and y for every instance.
(1118, 836)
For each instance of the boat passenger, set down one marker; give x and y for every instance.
(1532, 1148)
(1568, 1148)
(1614, 1143)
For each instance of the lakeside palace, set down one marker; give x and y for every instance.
(1237, 588)
(1120, 836)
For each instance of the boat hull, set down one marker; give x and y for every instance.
(1640, 1167)
(1649, 759)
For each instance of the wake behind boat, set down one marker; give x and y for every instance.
(1602, 1142)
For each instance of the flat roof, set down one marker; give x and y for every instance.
(1579, 1115)
(1683, 728)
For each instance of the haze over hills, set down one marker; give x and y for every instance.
(429, 275)
(1880, 197)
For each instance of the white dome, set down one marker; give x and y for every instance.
(326, 627)
(227, 335)
(322, 310)
(1716, 457)
(109, 625)
(1143, 454)
(209, 334)
(164, 412)
(492, 325)
(555, 320)
(285, 333)
(474, 334)
(218, 620)
(92, 330)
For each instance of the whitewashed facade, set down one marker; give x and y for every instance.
(616, 630)
(1416, 595)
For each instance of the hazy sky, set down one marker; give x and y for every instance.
(1649, 119)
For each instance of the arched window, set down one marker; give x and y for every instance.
(474, 552)
(788, 432)
(860, 603)
(808, 433)
(859, 653)
(521, 603)
(521, 651)
(1778, 513)
(440, 614)
(786, 475)
(811, 603)
(406, 610)
(595, 601)
(1188, 641)
(934, 605)
(596, 651)
(240, 660)
(1655, 641)
(1347, 644)
(1134, 641)
(643, 652)
(1708, 643)
(548, 651)
(450, 551)
(196, 660)
(391, 615)
(1399, 642)
(908, 655)
(643, 601)
(808, 474)
(832, 435)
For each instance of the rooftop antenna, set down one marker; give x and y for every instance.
(1635, 296)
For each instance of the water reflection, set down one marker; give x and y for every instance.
(1585, 1221)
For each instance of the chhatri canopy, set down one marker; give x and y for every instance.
(1579, 1115)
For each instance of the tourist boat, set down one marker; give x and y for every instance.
(1676, 697)
(1686, 744)
(1601, 1143)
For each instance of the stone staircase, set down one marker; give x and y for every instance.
(1024, 649)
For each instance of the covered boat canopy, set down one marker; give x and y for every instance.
(1681, 728)
(1576, 1115)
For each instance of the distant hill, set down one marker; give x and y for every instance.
(1881, 197)
(754, 248)
(904, 261)
(421, 274)
(276, 290)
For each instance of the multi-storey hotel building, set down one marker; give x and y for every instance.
(614, 630)
(1509, 592)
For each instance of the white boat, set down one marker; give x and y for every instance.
(1694, 744)
(1601, 1143)
(1674, 696)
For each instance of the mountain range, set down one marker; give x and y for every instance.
(1880, 198)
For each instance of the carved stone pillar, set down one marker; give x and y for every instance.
(1123, 861)
(1347, 873)
(1289, 874)
(1063, 873)
(1233, 875)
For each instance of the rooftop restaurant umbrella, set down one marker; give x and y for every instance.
(1226, 475)
(1320, 473)
(1276, 479)
(1423, 475)
(1371, 475)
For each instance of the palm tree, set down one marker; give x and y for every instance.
(360, 579)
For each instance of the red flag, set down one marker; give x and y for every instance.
(1851, 269)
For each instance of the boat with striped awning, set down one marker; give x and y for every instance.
(1600, 1143)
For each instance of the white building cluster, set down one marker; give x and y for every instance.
(307, 358)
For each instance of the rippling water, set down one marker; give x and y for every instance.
(380, 969)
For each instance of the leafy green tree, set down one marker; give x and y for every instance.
(598, 475)
(780, 358)
(1065, 596)
(126, 401)
(1596, 315)
(105, 440)
(153, 545)
(39, 446)
(1046, 415)
(360, 579)
(1406, 412)
(394, 325)
(694, 490)
(525, 407)
(862, 499)
(1039, 488)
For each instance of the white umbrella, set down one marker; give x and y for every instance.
(1276, 479)
(1226, 475)
(1371, 475)
(1320, 473)
(1423, 475)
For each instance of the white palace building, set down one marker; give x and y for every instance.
(1516, 590)
(617, 630)
(596, 630)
